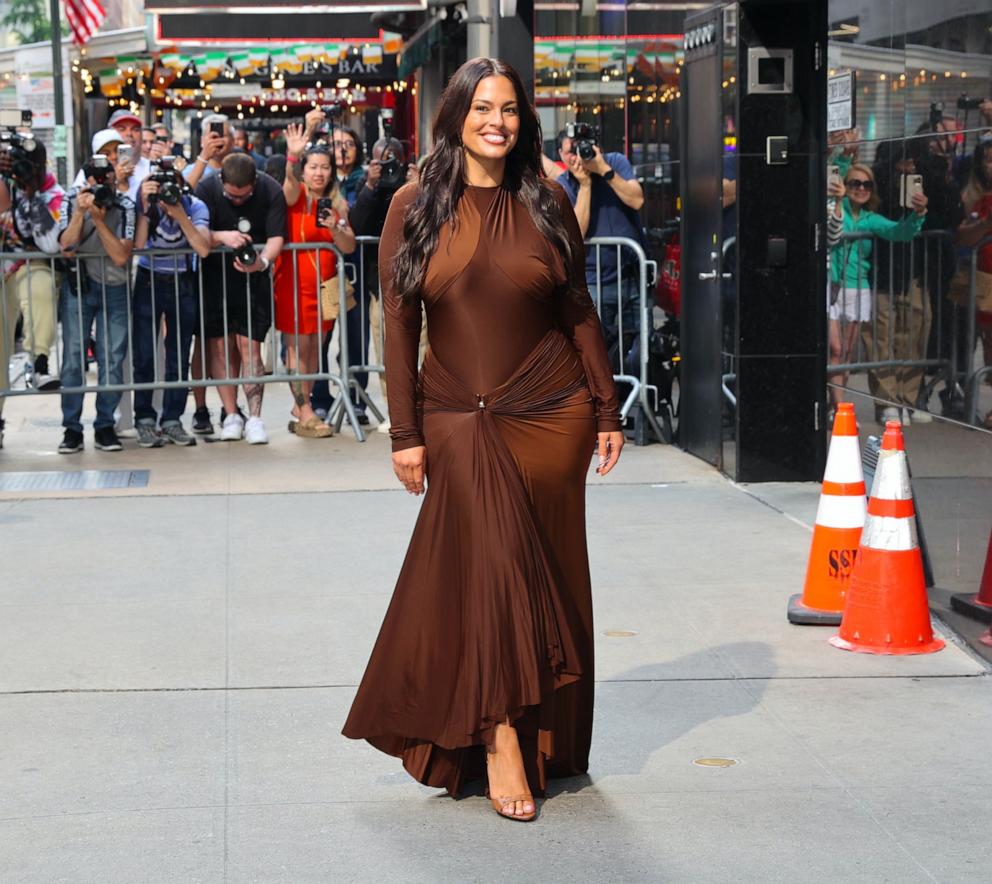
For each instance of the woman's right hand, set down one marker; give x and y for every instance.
(410, 466)
(296, 140)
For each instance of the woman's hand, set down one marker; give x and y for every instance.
(410, 466)
(609, 447)
(835, 188)
(296, 140)
(919, 202)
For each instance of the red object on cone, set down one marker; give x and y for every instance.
(887, 610)
(840, 518)
(984, 596)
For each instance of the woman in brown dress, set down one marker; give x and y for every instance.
(484, 663)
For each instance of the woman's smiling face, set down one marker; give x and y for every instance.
(492, 124)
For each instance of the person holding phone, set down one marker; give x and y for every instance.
(317, 213)
(216, 142)
(131, 167)
(850, 300)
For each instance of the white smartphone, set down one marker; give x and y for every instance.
(125, 153)
(910, 184)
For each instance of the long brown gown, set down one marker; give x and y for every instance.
(491, 618)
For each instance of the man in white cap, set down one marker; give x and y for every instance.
(99, 224)
(132, 168)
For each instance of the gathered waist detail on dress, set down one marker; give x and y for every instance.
(546, 380)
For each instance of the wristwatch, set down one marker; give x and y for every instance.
(608, 174)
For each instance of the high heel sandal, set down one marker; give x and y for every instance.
(500, 805)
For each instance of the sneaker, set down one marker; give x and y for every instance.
(363, 418)
(105, 439)
(223, 414)
(148, 436)
(919, 416)
(891, 413)
(201, 422)
(173, 432)
(232, 429)
(39, 377)
(321, 413)
(72, 441)
(255, 432)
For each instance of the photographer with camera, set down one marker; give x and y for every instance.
(31, 202)
(247, 208)
(606, 197)
(216, 143)
(387, 173)
(165, 288)
(98, 234)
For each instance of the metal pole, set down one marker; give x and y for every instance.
(60, 161)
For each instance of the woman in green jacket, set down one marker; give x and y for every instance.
(850, 302)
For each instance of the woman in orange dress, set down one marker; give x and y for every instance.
(302, 271)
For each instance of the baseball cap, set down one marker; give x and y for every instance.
(105, 137)
(123, 116)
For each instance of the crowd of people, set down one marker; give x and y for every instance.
(900, 230)
(233, 234)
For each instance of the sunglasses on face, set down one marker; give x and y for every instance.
(236, 198)
(859, 184)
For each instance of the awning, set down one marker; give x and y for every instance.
(417, 51)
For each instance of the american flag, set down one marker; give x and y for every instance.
(85, 18)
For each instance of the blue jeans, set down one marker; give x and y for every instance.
(615, 310)
(108, 306)
(150, 304)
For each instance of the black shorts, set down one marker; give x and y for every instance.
(248, 303)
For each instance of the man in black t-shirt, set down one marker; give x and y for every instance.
(246, 206)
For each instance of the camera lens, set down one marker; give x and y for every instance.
(169, 194)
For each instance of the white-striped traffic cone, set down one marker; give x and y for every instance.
(837, 533)
(887, 610)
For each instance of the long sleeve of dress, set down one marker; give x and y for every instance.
(403, 318)
(579, 322)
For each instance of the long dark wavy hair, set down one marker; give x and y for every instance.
(442, 178)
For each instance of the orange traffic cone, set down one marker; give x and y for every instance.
(839, 520)
(978, 605)
(886, 610)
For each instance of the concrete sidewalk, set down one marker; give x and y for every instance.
(176, 662)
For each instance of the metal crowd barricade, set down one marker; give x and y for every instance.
(952, 364)
(973, 381)
(640, 386)
(631, 263)
(57, 269)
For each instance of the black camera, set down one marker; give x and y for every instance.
(99, 169)
(393, 171)
(969, 104)
(936, 114)
(245, 253)
(333, 111)
(170, 182)
(20, 147)
(584, 138)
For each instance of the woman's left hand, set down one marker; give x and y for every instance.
(296, 140)
(920, 203)
(609, 447)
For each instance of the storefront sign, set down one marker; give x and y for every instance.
(841, 102)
